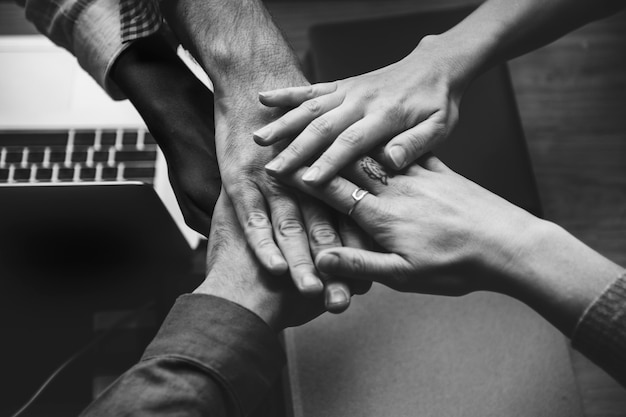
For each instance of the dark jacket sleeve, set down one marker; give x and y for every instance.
(211, 357)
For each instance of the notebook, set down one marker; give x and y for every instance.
(407, 355)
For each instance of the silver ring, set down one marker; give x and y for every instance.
(357, 195)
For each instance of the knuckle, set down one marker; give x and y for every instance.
(294, 150)
(300, 262)
(265, 243)
(350, 138)
(327, 159)
(321, 127)
(323, 234)
(334, 188)
(357, 262)
(258, 220)
(290, 227)
(312, 106)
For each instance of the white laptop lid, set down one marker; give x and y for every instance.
(43, 87)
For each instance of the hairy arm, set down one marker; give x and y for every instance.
(243, 52)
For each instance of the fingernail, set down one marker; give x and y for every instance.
(263, 133)
(265, 94)
(311, 283)
(337, 296)
(274, 165)
(327, 261)
(277, 262)
(397, 155)
(311, 174)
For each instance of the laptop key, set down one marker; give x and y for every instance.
(108, 138)
(87, 174)
(133, 155)
(14, 155)
(65, 174)
(4, 174)
(131, 173)
(35, 156)
(129, 139)
(21, 174)
(109, 173)
(44, 174)
(84, 137)
(101, 156)
(79, 154)
(57, 155)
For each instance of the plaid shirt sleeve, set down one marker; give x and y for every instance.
(96, 32)
(139, 18)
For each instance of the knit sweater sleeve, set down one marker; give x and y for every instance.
(601, 332)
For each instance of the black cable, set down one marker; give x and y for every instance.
(78, 354)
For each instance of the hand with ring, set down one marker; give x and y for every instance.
(437, 226)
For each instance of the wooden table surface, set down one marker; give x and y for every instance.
(572, 100)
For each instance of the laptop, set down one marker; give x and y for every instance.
(58, 126)
(89, 226)
(408, 355)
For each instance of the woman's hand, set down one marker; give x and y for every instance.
(443, 233)
(407, 107)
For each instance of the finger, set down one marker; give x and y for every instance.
(323, 235)
(294, 96)
(353, 236)
(368, 174)
(293, 241)
(352, 143)
(385, 268)
(337, 193)
(253, 216)
(294, 121)
(313, 139)
(432, 163)
(409, 145)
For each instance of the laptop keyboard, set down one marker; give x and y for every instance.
(77, 156)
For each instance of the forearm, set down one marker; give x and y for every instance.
(162, 89)
(554, 273)
(237, 44)
(503, 29)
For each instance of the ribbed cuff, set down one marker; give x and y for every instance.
(231, 343)
(97, 42)
(601, 332)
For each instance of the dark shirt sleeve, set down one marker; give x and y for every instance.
(211, 357)
(601, 332)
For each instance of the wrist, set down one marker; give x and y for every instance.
(554, 273)
(458, 56)
(256, 300)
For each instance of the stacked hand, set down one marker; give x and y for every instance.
(285, 230)
(407, 107)
(236, 275)
(443, 234)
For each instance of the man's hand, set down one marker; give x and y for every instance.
(236, 275)
(176, 115)
(284, 231)
(407, 107)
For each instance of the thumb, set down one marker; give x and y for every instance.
(362, 264)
